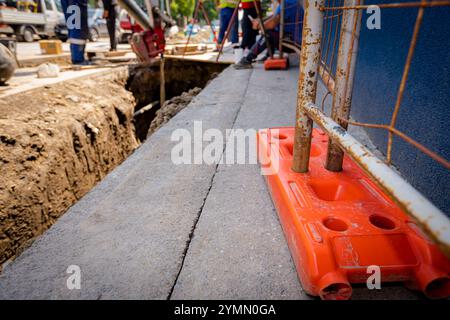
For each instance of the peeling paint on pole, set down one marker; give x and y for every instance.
(345, 72)
(307, 84)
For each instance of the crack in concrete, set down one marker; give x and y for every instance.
(199, 213)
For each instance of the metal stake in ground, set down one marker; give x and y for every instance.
(162, 82)
(195, 16)
(345, 71)
(307, 84)
(205, 15)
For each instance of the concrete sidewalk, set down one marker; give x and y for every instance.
(155, 230)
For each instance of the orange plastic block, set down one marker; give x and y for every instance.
(339, 224)
(276, 64)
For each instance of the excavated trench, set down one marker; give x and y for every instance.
(181, 76)
(57, 142)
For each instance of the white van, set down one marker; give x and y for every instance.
(29, 18)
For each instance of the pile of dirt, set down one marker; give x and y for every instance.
(56, 143)
(170, 108)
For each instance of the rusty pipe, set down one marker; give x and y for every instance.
(345, 72)
(307, 84)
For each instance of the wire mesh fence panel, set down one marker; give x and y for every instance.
(340, 36)
(332, 21)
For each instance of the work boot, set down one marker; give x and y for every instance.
(77, 53)
(243, 64)
(262, 59)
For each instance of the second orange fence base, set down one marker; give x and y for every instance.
(341, 228)
(276, 64)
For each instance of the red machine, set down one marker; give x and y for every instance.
(148, 40)
(148, 44)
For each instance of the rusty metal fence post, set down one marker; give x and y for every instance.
(345, 72)
(307, 84)
(280, 44)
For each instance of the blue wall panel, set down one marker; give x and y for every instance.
(424, 113)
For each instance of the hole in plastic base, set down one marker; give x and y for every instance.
(382, 222)
(335, 224)
(336, 291)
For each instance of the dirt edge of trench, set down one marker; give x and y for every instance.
(56, 143)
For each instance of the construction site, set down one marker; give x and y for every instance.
(170, 169)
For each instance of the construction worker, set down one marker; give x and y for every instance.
(111, 14)
(248, 33)
(76, 16)
(293, 14)
(226, 13)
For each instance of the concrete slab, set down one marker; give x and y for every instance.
(238, 250)
(26, 79)
(155, 230)
(129, 234)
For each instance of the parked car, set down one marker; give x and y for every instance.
(29, 19)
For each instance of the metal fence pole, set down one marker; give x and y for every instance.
(345, 72)
(307, 84)
(280, 45)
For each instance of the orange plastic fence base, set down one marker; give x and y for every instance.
(276, 64)
(339, 224)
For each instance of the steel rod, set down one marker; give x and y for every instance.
(307, 84)
(194, 17)
(345, 72)
(208, 21)
(401, 89)
(280, 44)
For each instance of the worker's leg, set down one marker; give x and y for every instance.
(248, 33)
(226, 14)
(254, 33)
(111, 25)
(234, 37)
(246, 29)
(258, 47)
(225, 17)
(75, 13)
